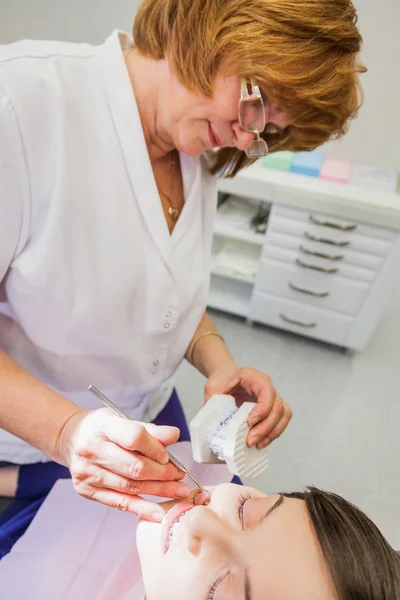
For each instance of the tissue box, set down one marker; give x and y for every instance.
(280, 161)
(307, 163)
(336, 170)
(381, 179)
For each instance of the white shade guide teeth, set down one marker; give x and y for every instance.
(219, 432)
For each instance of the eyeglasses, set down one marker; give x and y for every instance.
(252, 117)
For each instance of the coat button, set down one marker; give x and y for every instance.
(166, 325)
(156, 363)
(154, 371)
(168, 314)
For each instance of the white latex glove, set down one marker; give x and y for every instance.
(112, 460)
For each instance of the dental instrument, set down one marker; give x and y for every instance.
(107, 402)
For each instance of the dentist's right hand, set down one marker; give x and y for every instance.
(113, 460)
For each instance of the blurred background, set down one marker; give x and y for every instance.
(345, 434)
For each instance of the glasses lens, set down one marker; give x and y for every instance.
(251, 114)
(257, 149)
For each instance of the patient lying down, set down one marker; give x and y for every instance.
(244, 545)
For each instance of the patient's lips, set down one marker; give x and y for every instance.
(201, 498)
(170, 520)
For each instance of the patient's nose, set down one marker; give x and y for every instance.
(207, 532)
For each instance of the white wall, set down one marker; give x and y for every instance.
(373, 139)
(70, 20)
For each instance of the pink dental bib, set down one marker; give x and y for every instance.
(75, 549)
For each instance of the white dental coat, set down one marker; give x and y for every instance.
(93, 289)
(76, 549)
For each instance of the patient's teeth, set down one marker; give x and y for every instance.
(172, 530)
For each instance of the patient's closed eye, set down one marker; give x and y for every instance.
(240, 505)
(257, 510)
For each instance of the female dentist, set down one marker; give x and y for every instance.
(106, 222)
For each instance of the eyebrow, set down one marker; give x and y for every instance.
(278, 503)
(247, 586)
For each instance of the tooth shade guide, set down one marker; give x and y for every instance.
(219, 432)
(200, 425)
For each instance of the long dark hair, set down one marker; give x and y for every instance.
(362, 564)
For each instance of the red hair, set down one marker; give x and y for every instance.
(303, 54)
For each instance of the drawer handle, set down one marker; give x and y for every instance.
(315, 268)
(321, 254)
(323, 240)
(299, 323)
(309, 292)
(332, 225)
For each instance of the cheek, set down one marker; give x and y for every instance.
(177, 574)
(192, 138)
(226, 96)
(229, 111)
(148, 540)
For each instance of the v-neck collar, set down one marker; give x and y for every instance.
(127, 122)
(191, 179)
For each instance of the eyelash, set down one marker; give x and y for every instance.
(213, 587)
(240, 504)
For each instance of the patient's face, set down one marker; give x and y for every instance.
(244, 545)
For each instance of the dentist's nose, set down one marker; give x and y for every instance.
(243, 139)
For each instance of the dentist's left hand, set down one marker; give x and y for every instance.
(113, 461)
(270, 415)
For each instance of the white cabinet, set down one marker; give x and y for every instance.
(326, 265)
(311, 287)
(301, 318)
(230, 295)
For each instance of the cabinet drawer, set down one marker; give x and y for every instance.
(311, 287)
(332, 255)
(332, 223)
(314, 263)
(301, 319)
(330, 238)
